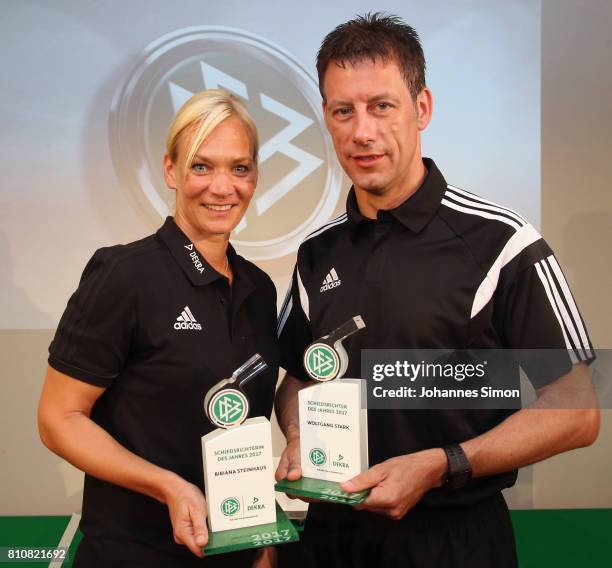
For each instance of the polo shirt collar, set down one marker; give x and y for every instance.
(416, 211)
(188, 257)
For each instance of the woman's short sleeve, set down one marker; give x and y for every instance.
(93, 337)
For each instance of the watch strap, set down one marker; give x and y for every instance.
(459, 470)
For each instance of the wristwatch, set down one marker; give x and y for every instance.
(459, 470)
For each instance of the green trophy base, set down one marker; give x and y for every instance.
(280, 532)
(322, 490)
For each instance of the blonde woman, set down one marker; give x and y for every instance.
(152, 326)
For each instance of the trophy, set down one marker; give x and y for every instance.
(333, 422)
(238, 474)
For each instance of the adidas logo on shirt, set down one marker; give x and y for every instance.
(187, 321)
(331, 281)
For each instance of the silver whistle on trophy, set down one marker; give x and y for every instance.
(226, 404)
(326, 359)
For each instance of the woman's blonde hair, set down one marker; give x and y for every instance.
(202, 113)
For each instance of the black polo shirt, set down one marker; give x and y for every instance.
(157, 326)
(445, 269)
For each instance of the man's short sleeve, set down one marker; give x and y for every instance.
(92, 340)
(537, 313)
(294, 330)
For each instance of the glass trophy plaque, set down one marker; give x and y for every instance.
(238, 474)
(333, 422)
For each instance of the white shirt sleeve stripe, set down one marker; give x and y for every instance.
(303, 296)
(516, 244)
(475, 203)
(567, 320)
(480, 199)
(338, 221)
(470, 211)
(553, 305)
(285, 317)
(327, 223)
(569, 298)
(287, 298)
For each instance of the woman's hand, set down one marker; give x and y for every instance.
(187, 509)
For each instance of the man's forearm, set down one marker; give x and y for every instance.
(544, 429)
(564, 417)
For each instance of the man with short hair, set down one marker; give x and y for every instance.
(428, 266)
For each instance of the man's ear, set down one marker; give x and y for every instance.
(170, 172)
(424, 108)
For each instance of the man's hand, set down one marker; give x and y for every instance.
(187, 509)
(399, 483)
(290, 464)
(287, 414)
(290, 467)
